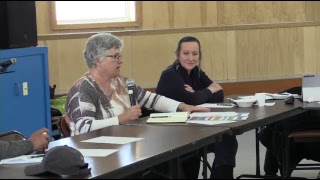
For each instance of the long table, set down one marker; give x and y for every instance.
(159, 144)
(258, 117)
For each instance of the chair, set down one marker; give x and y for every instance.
(273, 161)
(299, 136)
(12, 136)
(296, 137)
(63, 127)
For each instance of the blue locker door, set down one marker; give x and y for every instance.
(25, 110)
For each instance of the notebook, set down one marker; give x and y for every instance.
(311, 87)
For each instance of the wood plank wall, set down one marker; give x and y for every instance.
(253, 41)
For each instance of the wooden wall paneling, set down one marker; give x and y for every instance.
(312, 10)
(297, 52)
(267, 9)
(214, 49)
(151, 54)
(309, 50)
(246, 53)
(251, 12)
(69, 64)
(147, 15)
(317, 11)
(207, 52)
(211, 12)
(318, 48)
(248, 13)
(291, 11)
(43, 17)
(231, 68)
(290, 40)
(225, 11)
(272, 53)
(187, 14)
(156, 14)
(126, 67)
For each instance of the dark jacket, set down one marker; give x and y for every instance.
(171, 85)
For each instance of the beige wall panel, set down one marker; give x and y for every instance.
(310, 64)
(126, 67)
(268, 52)
(147, 15)
(231, 67)
(209, 12)
(43, 17)
(214, 48)
(317, 11)
(318, 48)
(156, 14)
(251, 12)
(187, 14)
(69, 64)
(151, 54)
(291, 50)
(312, 10)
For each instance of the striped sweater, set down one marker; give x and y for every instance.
(90, 108)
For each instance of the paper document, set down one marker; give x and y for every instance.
(112, 140)
(97, 152)
(254, 97)
(269, 104)
(212, 118)
(174, 117)
(34, 158)
(217, 105)
(282, 95)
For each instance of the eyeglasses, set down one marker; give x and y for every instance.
(116, 57)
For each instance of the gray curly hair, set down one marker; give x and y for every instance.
(98, 45)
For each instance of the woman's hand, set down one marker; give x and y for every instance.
(188, 88)
(40, 139)
(132, 113)
(214, 87)
(190, 108)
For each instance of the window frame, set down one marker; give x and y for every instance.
(55, 26)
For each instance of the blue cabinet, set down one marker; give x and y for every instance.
(24, 91)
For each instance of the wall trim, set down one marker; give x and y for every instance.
(60, 36)
(244, 87)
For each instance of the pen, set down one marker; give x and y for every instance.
(160, 117)
(37, 156)
(223, 104)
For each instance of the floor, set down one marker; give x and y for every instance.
(246, 161)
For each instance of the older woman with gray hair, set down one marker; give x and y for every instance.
(100, 98)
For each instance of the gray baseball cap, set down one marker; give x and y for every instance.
(61, 160)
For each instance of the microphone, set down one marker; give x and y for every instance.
(130, 84)
(8, 63)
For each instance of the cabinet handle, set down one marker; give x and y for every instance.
(16, 88)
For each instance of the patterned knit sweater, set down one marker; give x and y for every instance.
(90, 108)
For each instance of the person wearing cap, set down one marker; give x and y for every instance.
(39, 140)
(100, 98)
(185, 81)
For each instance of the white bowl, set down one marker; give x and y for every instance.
(245, 102)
